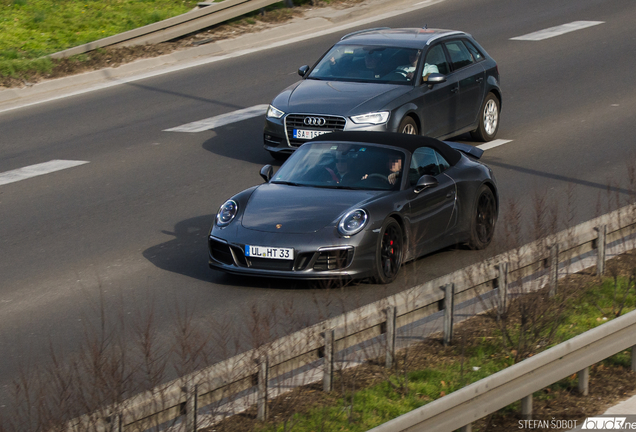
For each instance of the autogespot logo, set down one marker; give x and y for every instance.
(314, 121)
(607, 423)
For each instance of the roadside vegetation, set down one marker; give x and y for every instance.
(30, 30)
(369, 395)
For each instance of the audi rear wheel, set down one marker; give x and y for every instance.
(488, 120)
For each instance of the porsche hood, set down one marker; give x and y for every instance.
(290, 209)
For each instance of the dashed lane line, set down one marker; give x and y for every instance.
(557, 31)
(258, 110)
(221, 120)
(493, 144)
(37, 170)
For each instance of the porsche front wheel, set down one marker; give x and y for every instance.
(388, 255)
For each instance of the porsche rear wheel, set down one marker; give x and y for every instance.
(388, 255)
(482, 225)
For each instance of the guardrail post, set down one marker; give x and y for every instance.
(449, 291)
(390, 335)
(115, 423)
(327, 377)
(467, 428)
(191, 408)
(554, 269)
(262, 389)
(502, 284)
(289, 3)
(584, 381)
(526, 407)
(634, 358)
(600, 250)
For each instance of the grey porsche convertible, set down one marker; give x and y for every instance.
(356, 205)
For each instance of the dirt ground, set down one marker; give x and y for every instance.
(113, 57)
(609, 383)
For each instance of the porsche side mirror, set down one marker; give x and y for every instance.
(435, 78)
(267, 172)
(425, 182)
(303, 70)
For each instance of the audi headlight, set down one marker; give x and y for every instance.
(353, 222)
(226, 213)
(274, 112)
(371, 118)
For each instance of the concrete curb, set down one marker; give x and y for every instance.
(314, 23)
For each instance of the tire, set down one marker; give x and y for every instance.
(389, 252)
(488, 120)
(278, 156)
(408, 126)
(483, 219)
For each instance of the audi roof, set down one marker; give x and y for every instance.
(406, 37)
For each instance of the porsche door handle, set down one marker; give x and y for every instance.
(454, 89)
(450, 194)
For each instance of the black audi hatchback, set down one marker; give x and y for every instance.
(432, 82)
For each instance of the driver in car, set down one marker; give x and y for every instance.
(395, 168)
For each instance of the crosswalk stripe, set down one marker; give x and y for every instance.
(557, 31)
(37, 170)
(221, 120)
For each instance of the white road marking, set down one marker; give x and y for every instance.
(557, 31)
(221, 120)
(37, 170)
(493, 144)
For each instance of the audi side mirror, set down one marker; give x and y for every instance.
(267, 172)
(425, 182)
(303, 70)
(435, 78)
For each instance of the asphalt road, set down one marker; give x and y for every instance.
(125, 232)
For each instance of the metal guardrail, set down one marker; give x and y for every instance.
(174, 27)
(254, 368)
(484, 397)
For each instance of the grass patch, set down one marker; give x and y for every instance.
(34, 28)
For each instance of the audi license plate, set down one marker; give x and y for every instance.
(308, 134)
(269, 252)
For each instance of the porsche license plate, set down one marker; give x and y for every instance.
(269, 252)
(308, 134)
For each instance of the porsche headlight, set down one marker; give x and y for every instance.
(226, 213)
(353, 222)
(371, 118)
(274, 112)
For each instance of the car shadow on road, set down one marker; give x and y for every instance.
(242, 140)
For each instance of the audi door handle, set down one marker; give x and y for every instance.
(454, 89)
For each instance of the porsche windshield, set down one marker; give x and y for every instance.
(367, 64)
(343, 166)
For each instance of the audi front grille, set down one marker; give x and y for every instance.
(297, 121)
